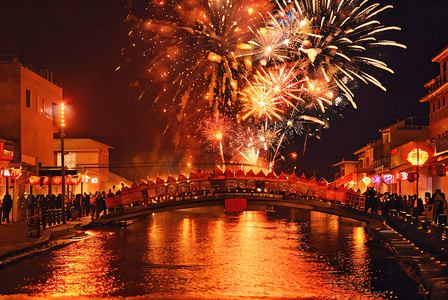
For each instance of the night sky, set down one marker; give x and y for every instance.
(81, 42)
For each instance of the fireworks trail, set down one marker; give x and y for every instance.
(257, 70)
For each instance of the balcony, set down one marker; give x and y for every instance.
(381, 164)
(442, 144)
(438, 115)
(438, 82)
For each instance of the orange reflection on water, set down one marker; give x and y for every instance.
(79, 270)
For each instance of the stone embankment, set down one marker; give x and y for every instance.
(420, 249)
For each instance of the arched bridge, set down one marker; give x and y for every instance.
(254, 199)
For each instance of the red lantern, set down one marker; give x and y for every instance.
(44, 180)
(413, 176)
(57, 180)
(33, 180)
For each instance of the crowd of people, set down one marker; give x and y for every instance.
(76, 206)
(434, 207)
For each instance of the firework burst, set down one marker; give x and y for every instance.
(272, 70)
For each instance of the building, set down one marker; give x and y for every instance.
(348, 172)
(437, 98)
(386, 163)
(30, 157)
(29, 103)
(91, 160)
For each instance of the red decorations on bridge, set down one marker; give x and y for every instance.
(251, 173)
(159, 180)
(170, 179)
(182, 178)
(217, 172)
(239, 173)
(229, 174)
(271, 175)
(260, 174)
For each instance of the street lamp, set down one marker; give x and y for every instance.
(62, 160)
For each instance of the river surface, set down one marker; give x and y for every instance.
(207, 254)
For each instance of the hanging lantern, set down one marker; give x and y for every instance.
(418, 157)
(44, 180)
(34, 180)
(57, 180)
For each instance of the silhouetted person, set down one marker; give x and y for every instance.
(52, 202)
(86, 205)
(398, 203)
(441, 206)
(7, 205)
(59, 201)
(376, 204)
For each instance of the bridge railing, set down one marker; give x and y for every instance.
(185, 189)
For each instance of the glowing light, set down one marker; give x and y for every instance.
(62, 114)
(286, 65)
(367, 180)
(418, 157)
(388, 178)
(376, 179)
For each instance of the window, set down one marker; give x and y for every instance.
(48, 111)
(54, 108)
(438, 103)
(42, 105)
(367, 161)
(443, 101)
(433, 107)
(386, 138)
(28, 98)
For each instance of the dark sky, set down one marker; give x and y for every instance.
(81, 42)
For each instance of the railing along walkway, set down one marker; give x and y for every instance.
(43, 219)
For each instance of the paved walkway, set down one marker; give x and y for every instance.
(14, 240)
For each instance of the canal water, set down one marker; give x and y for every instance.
(206, 254)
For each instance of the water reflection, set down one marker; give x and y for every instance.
(184, 254)
(82, 268)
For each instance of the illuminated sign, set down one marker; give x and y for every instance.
(404, 176)
(13, 173)
(5, 173)
(376, 179)
(401, 176)
(388, 178)
(87, 178)
(418, 157)
(5, 154)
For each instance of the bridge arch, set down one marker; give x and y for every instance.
(259, 199)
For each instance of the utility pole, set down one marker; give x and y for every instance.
(62, 161)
